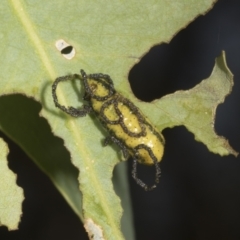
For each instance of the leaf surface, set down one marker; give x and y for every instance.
(11, 195)
(108, 37)
(196, 108)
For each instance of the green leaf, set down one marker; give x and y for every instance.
(196, 108)
(109, 37)
(11, 196)
(22, 123)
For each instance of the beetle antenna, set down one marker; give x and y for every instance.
(74, 112)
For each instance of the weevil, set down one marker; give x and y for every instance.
(126, 124)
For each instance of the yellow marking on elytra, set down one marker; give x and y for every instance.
(152, 139)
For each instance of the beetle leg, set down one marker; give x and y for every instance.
(113, 139)
(69, 110)
(139, 181)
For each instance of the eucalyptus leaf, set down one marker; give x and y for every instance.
(11, 195)
(108, 37)
(196, 108)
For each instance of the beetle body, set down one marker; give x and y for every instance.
(130, 127)
(126, 124)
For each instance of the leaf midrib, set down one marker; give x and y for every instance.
(30, 30)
